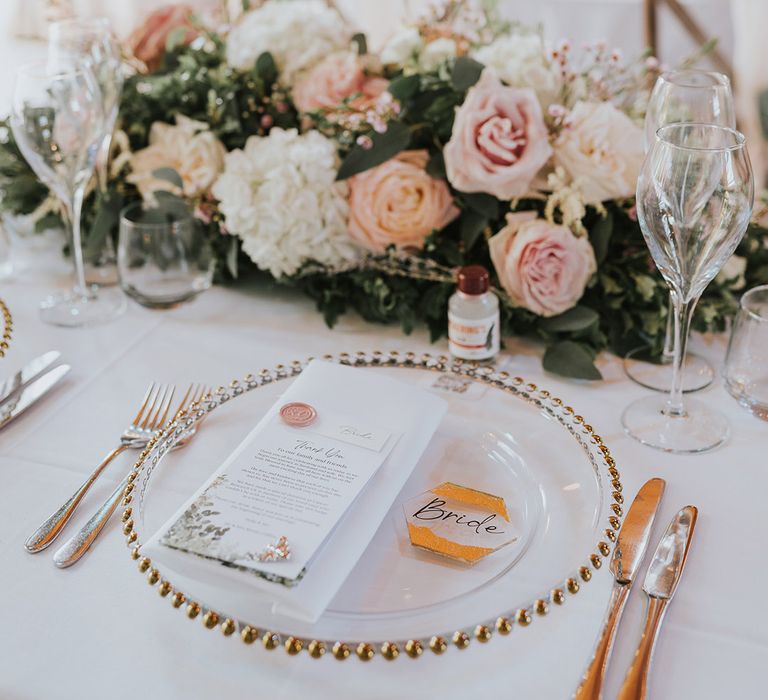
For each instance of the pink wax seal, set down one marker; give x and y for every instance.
(298, 414)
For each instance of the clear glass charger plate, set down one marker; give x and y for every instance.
(500, 435)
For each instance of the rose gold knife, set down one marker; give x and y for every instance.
(660, 585)
(627, 556)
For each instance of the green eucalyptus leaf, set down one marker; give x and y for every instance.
(472, 225)
(570, 359)
(169, 175)
(482, 203)
(385, 146)
(436, 166)
(600, 237)
(404, 87)
(466, 72)
(576, 319)
(266, 68)
(231, 260)
(361, 42)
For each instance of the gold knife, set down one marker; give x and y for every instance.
(627, 557)
(660, 585)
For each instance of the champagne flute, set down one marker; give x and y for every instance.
(678, 97)
(694, 202)
(91, 41)
(57, 120)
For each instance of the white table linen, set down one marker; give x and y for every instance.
(99, 626)
(98, 631)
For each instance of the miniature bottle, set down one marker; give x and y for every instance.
(473, 317)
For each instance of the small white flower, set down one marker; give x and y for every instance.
(298, 34)
(520, 61)
(403, 48)
(280, 196)
(437, 51)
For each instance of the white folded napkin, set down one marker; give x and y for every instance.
(378, 400)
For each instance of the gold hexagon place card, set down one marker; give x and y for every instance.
(458, 522)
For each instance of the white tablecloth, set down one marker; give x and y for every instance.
(97, 630)
(97, 626)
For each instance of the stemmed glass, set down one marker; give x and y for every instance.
(92, 42)
(694, 202)
(58, 122)
(679, 97)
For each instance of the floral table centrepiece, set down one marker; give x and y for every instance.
(367, 179)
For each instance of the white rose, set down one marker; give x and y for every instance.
(520, 61)
(403, 48)
(436, 52)
(189, 148)
(601, 149)
(298, 34)
(733, 272)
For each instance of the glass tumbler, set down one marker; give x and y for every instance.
(746, 363)
(163, 256)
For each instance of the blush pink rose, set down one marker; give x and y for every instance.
(398, 202)
(148, 40)
(499, 140)
(542, 266)
(326, 84)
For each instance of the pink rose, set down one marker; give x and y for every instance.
(326, 84)
(499, 140)
(542, 266)
(148, 40)
(398, 202)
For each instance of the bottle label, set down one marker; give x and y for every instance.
(476, 339)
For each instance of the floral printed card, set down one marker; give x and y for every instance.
(321, 468)
(285, 481)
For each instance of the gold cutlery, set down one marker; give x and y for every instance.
(627, 557)
(150, 418)
(74, 549)
(660, 585)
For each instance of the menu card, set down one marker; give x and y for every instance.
(309, 484)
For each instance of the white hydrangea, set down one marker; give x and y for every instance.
(280, 196)
(297, 33)
(520, 61)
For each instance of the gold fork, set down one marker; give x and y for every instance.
(74, 549)
(151, 416)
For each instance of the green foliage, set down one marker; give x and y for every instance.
(624, 305)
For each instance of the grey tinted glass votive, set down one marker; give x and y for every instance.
(746, 364)
(163, 256)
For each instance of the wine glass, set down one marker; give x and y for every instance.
(91, 41)
(694, 202)
(57, 120)
(678, 97)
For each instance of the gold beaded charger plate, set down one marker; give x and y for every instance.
(501, 435)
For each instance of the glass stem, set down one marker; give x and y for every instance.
(74, 214)
(683, 312)
(668, 352)
(102, 164)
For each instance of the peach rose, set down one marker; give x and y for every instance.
(337, 76)
(148, 40)
(398, 202)
(542, 266)
(499, 140)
